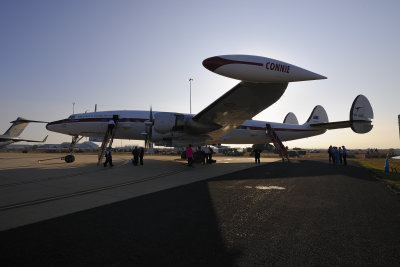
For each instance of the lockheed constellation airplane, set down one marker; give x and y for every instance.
(228, 120)
(17, 127)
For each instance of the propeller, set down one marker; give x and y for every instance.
(149, 130)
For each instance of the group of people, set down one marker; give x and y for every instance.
(137, 155)
(337, 155)
(206, 154)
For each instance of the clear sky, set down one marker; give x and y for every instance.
(125, 54)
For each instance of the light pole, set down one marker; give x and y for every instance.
(190, 84)
(73, 107)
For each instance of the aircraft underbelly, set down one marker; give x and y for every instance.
(241, 136)
(293, 135)
(125, 130)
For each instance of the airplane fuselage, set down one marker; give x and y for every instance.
(5, 142)
(131, 125)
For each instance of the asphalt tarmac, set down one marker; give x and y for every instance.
(33, 188)
(303, 213)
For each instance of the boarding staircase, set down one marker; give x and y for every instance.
(277, 143)
(107, 142)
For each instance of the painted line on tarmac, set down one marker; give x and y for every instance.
(89, 191)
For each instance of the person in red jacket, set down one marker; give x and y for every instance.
(189, 155)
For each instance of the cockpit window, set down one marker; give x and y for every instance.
(71, 117)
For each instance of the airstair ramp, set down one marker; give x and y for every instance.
(107, 142)
(277, 143)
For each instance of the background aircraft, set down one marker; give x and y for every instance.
(228, 119)
(17, 127)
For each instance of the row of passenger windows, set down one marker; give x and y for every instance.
(88, 116)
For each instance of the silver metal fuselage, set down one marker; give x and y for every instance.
(131, 125)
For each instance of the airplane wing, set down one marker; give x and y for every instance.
(239, 104)
(263, 82)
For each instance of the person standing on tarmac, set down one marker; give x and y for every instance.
(333, 155)
(330, 152)
(189, 155)
(203, 155)
(336, 155)
(256, 155)
(211, 154)
(108, 158)
(344, 151)
(141, 154)
(135, 153)
(206, 154)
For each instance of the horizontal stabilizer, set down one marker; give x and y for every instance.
(291, 119)
(23, 120)
(333, 125)
(17, 139)
(361, 114)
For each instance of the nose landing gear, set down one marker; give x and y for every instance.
(71, 158)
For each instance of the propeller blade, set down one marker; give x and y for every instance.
(149, 130)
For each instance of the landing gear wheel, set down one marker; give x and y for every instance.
(69, 158)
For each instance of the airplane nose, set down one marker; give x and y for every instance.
(52, 126)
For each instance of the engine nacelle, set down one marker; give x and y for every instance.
(165, 122)
(157, 136)
(165, 139)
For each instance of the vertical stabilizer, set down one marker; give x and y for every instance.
(291, 119)
(17, 127)
(318, 115)
(361, 114)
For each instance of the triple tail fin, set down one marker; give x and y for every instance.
(291, 119)
(361, 115)
(318, 115)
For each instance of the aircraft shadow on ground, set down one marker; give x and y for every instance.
(172, 227)
(178, 226)
(300, 168)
